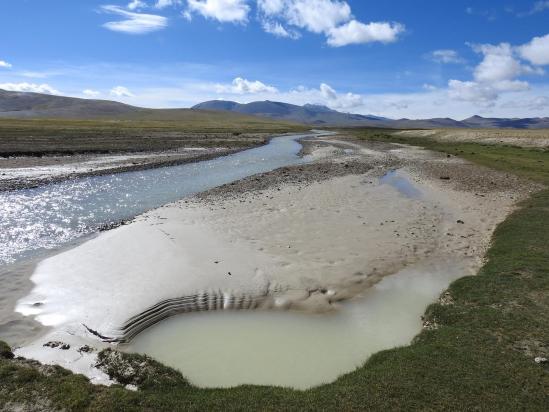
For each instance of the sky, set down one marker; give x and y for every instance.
(393, 58)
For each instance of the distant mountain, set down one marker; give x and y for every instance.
(517, 123)
(319, 115)
(309, 114)
(33, 105)
(37, 105)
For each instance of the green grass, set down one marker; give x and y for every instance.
(481, 357)
(530, 163)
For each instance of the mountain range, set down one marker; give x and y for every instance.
(319, 115)
(37, 105)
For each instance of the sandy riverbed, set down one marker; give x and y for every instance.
(301, 238)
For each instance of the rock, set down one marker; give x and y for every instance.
(85, 349)
(461, 222)
(444, 177)
(5, 351)
(53, 344)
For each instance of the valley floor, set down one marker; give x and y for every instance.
(342, 222)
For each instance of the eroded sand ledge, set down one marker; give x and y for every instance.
(300, 238)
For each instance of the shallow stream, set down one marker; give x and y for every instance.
(56, 214)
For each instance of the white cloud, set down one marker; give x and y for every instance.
(160, 4)
(279, 30)
(340, 101)
(91, 93)
(243, 86)
(327, 91)
(499, 64)
(538, 103)
(446, 56)
(29, 87)
(121, 91)
(271, 7)
(5, 64)
(136, 5)
(317, 16)
(235, 11)
(536, 51)
(533, 103)
(134, 23)
(324, 95)
(333, 18)
(497, 73)
(470, 91)
(355, 32)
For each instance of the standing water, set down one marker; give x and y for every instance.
(298, 350)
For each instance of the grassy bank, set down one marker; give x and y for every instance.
(480, 356)
(195, 129)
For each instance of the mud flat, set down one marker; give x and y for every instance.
(304, 238)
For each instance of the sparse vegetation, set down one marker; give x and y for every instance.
(193, 129)
(482, 355)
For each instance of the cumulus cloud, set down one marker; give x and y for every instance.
(134, 23)
(446, 56)
(497, 73)
(5, 64)
(333, 18)
(325, 95)
(29, 87)
(536, 51)
(355, 32)
(244, 86)
(235, 11)
(121, 91)
(499, 64)
(91, 93)
(327, 91)
(317, 16)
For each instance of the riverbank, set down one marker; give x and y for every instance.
(38, 152)
(471, 342)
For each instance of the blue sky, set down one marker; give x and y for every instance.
(396, 58)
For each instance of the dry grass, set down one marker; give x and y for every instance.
(512, 137)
